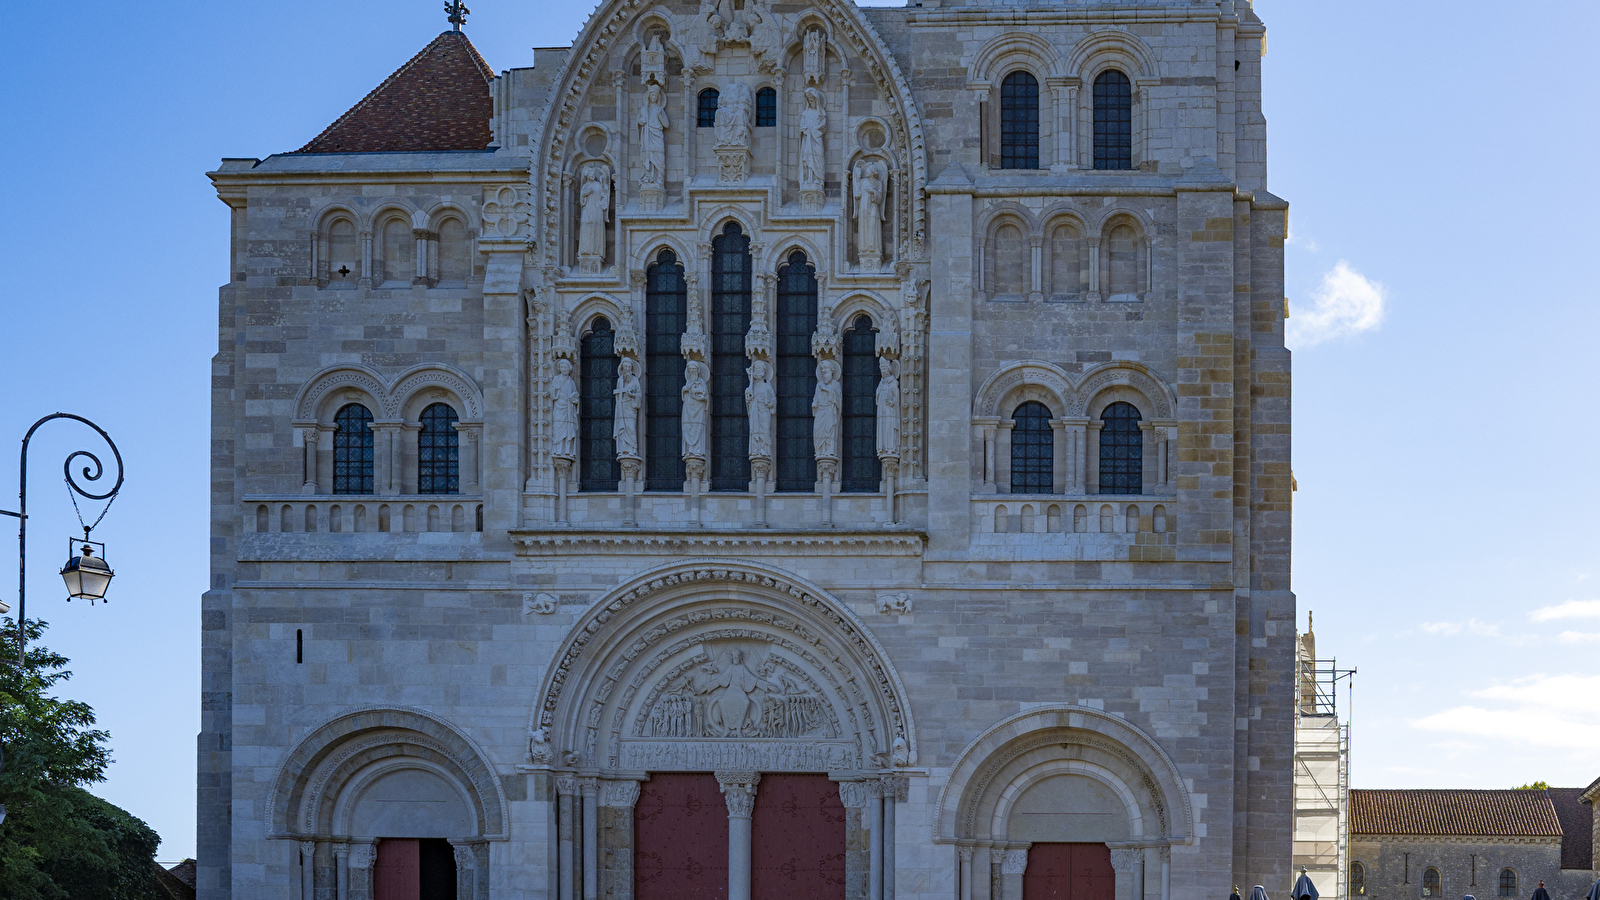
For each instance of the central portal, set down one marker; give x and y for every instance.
(797, 839)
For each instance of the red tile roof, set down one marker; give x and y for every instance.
(1454, 812)
(439, 100)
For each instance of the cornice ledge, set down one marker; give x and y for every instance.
(900, 542)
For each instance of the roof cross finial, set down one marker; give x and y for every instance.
(457, 13)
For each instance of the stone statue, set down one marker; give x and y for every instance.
(888, 401)
(762, 401)
(733, 116)
(594, 199)
(815, 64)
(825, 406)
(813, 121)
(653, 137)
(625, 411)
(871, 185)
(696, 399)
(564, 400)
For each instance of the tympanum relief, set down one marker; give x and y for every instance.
(739, 692)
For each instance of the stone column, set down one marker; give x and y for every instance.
(1060, 456)
(466, 870)
(874, 840)
(566, 833)
(360, 866)
(964, 858)
(1128, 863)
(1091, 473)
(895, 788)
(590, 788)
(383, 454)
(1002, 454)
(365, 280)
(421, 235)
(617, 801)
(1012, 866)
(404, 458)
(1094, 269)
(308, 870)
(1036, 269)
(310, 436)
(341, 871)
(988, 425)
(468, 441)
(739, 792)
(1149, 462)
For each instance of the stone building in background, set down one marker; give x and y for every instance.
(1321, 769)
(1419, 844)
(765, 449)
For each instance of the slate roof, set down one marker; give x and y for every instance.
(1454, 812)
(439, 100)
(1577, 827)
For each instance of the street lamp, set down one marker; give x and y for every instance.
(86, 575)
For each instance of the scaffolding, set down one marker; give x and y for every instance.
(1321, 772)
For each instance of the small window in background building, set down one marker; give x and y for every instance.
(1430, 882)
(1508, 882)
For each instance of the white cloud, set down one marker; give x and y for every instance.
(1557, 711)
(1346, 303)
(1578, 637)
(1571, 609)
(1471, 626)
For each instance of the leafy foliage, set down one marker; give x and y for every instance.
(58, 841)
(1534, 786)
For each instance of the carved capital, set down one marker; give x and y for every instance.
(361, 856)
(1126, 859)
(465, 858)
(589, 786)
(853, 794)
(965, 854)
(567, 785)
(739, 791)
(624, 794)
(1015, 862)
(896, 788)
(308, 849)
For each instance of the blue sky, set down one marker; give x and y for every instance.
(1439, 161)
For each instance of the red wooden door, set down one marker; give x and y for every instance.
(1069, 872)
(680, 834)
(397, 874)
(797, 839)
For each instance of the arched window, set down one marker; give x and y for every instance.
(344, 253)
(1358, 876)
(1113, 121)
(1121, 266)
(1508, 882)
(596, 448)
(438, 451)
(730, 320)
(352, 450)
(1430, 882)
(796, 374)
(1019, 121)
(1068, 263)
(454, 264)
(766, 108)
(708, 108)
(665, 320)
(1009, 271)
(1033, 450)
(1121, 450)
(860, 467)
(398, 267)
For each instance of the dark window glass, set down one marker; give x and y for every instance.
(1430, 882)
(708, 108)
(1358, 880)
(597, 450)
(1113, 121)
(666, 319)
(766, 108)
(796, 374)
(1019, 122)
(352, 450)
(1121, 450)
(438, 452)
(1508, 882)
(730, 320)
(1033, 450)
(860, 468)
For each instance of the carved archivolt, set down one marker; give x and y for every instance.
(389, 396)
(1083, 740)
(310, 780)
(1072, 397)
(724, 663)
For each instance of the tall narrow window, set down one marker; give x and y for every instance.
(766, 108)
(1113, 121)
(861, 470)
(1431, 886)
(666, 319)
(344, 253)
(1033, 450)
(708, 108)
(352, 450)
(1358, 880)
(730, 320)
(438, 451)
(596, 448)
(1121, 450)
(1508, 882)
(796, 374)
(1019, 122)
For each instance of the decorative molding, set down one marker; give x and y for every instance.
(773, 756)
(1067, 396)
(539, 604)
(389, 396)
(690, 543)
(894, 604)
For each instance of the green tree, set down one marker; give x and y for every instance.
(1534, 786)
(58, 841)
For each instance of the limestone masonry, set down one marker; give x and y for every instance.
(766, 450)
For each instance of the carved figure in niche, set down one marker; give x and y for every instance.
(625, 412)
(653, 61)
(696, 398)
(761, 400)
(538, 746)
(564, 413)
(825, 405)
(653, 137)
(735, 694)
(871, 184)
(813, 121)
(733, 116)
(888, 397)
(594, 199)
(815, 63)
(766, 33)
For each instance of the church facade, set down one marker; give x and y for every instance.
(766, 449)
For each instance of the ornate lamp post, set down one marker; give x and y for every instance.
(86, 575)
